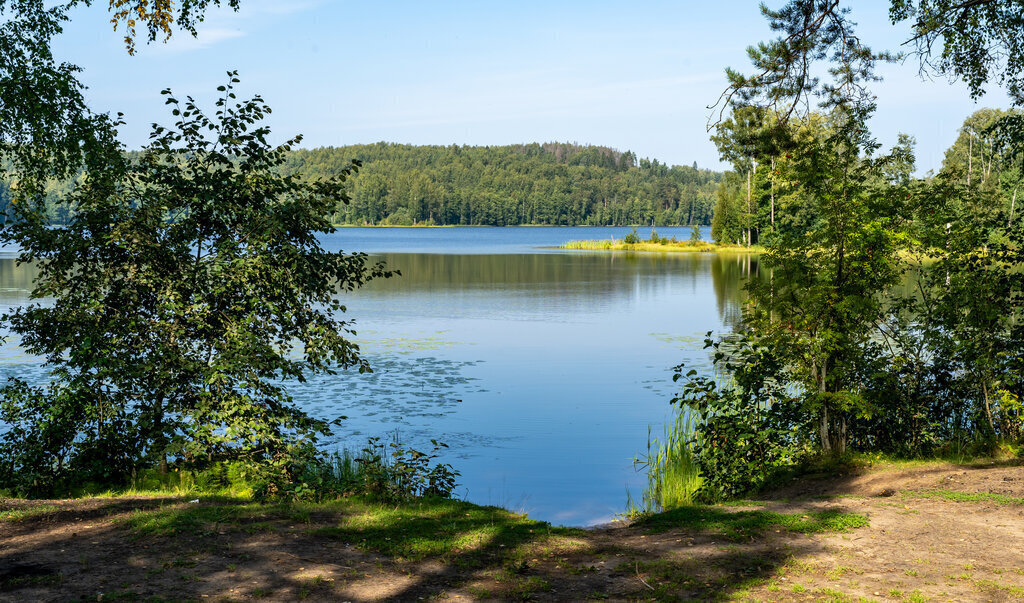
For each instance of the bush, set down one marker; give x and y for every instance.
(740, 447)
(404, 473)
(748, 431)
(46, 451)
(632, 238)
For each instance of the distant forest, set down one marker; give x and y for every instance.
(551, 183)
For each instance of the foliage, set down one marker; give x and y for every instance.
(552, 184)
(981, 41)
(975, 325)
(745, 431)
(631, 237)
(785, 82)
(46, 128)
(391, 473)
(186, 289)
(845, 342)
(159, 17)
(727, 220)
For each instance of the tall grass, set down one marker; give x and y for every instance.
(339, 471)
(602, 244)
(672, 475)
(663, 245)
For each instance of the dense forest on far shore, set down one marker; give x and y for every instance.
(550, 183)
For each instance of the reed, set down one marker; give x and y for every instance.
(673, 478)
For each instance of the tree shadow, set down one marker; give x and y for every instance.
(168, 548)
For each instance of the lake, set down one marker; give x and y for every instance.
(542, 369)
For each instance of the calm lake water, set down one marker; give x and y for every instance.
(543, 369)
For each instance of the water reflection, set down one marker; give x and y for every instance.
(580, 281)
(15, 280)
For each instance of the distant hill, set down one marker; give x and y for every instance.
(551, 183)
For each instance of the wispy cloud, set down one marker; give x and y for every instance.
(208, 36)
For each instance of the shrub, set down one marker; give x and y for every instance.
(747, 431)
(404, 472)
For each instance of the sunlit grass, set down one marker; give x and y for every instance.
(26, 513)
(436, 528)
(954, 496)
(743, 525)
(424, 528)
(665, 246)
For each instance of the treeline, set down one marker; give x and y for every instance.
(551, 184)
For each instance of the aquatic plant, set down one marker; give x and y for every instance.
(673, 478)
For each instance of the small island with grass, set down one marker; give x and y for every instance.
(633, 242)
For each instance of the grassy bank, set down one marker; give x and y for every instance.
(665, 245)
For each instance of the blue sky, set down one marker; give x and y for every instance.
(631, 75)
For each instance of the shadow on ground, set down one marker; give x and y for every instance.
(170, 549)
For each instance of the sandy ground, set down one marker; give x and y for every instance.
(920, 545)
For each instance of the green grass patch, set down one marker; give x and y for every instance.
(961, 456)
(26, 513)
(442, 528)
(743, 503)
(744, 525)
(955, 496)
(993, 587)
(196, 518)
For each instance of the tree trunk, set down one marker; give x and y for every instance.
(826, 440)
(988, 408)
(1013, 201)
(970, 157)
(823, 426)
(158, 439)
(749, 225)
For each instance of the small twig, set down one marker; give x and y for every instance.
(641, 578)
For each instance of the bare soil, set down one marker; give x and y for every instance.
(922, 544)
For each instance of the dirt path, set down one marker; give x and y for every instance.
(935, 533)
